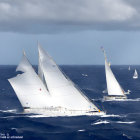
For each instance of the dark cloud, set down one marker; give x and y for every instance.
(49, 16)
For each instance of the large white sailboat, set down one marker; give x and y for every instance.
(135, 76)
(50, 92)
(115, 91)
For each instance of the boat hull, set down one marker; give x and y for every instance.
(63, 112)
(114, 98)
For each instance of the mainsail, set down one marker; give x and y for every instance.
(113, 87)
(61, 87)
(29, 88)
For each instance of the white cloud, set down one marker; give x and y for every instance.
(43, 16)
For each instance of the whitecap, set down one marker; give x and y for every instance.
(11, 110)
(7, 117)
(101, 122)
(126, 122)
(129, 137)
(84, 75)
(13, 128)
(124, 100)
(81, 130)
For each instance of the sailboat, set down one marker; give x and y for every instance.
(50, 92)
(129, 68)
(115, 91)
(135, 76)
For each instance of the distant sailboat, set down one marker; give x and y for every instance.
(115, 91)
(129, 68)
(135, 76)
(50, 92)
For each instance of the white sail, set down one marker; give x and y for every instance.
(129, 68)
(24, 64)
(40, 71)
(113, 87)
(135, 74)
(61, 88)
(28, 87)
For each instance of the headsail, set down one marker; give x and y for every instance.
(61, 87)
(30, 90)
(113, 87)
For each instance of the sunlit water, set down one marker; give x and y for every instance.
(122, 121)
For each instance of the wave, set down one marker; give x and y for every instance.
(129, 137)
(81, 130)
(137, 99)
(11, 117)
(85, 75)
(100, 99)
(9, 111)
(126, 122)
(125, 100)
(13, 128)
(100, 122)
(106, 122)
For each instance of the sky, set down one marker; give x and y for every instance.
(71, 31)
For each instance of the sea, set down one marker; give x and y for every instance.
(121, 122)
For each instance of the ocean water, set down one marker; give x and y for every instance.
(122, 121)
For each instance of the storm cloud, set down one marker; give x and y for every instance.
(51, 16)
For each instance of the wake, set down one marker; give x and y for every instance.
(125, 100)
(99, 122)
